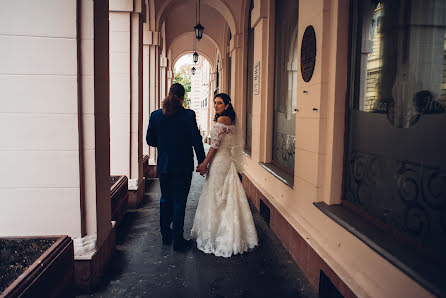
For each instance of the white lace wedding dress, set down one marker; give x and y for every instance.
(223, 223)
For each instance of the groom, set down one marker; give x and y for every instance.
(173, 130)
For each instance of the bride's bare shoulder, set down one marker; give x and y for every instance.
(225, 120)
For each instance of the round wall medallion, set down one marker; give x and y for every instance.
(308, 53)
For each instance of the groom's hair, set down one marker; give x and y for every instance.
(172, 103)
(229, 111)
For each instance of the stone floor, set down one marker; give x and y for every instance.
(142, 267)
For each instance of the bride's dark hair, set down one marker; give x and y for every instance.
(172, 102)
(229, 111)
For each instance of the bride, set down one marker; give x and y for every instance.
(223, 223)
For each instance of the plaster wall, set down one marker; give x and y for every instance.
(39, 152)
(319, 151)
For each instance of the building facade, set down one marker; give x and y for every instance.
(342, 104)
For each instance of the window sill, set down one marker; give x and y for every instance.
(424, 270)
(280, 174)
(247, 152)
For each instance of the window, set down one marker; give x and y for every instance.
(285, 84)
(249, 89)
(395, 166)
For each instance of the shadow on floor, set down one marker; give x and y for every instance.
(142, 267)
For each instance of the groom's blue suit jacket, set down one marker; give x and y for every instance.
(174, 137)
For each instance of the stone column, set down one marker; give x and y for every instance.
(150, 102)
(145, 89)
(163, 76)
(163, 66)
(136, 183)
(120, 87)
(54, 87)
(94, 248)
(223, 85)
(262, 111)
(169, 79)
(237, 82)
(210, 115)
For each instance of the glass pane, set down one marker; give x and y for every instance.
(249, 89)
(396, 160)
(285, 82)
(402, 59)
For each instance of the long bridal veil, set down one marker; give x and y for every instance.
(237, 147)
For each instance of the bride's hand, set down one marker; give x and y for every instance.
(202, 168)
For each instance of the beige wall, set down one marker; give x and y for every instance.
(55, 119)
(39, 152)
(55, 126)
(319, 150)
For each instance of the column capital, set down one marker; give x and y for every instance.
(163, 62)
(236, 42)
(85, 246)
(151, 38)
(259, 12)
(121, 5)
(133, 184)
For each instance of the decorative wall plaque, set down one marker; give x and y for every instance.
(308, 53)
(256, 78)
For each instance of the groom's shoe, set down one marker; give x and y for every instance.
(182, 244)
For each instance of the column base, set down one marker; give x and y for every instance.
(151, 172)
(145, 166)
(119, 198)
(88, 268)
(136, 196)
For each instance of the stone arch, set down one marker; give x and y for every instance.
(205, 54)
(219, 5)
(174, 60)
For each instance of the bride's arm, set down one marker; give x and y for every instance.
(215, 145)
(203, 166)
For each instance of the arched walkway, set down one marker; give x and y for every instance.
(142, 267)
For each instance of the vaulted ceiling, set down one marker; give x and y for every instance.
(217, 16)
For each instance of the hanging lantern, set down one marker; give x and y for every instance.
(195, 57)
(193, 70)
(198, 29)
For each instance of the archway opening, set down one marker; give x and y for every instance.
(198, 95)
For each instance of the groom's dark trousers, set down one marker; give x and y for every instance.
(174, 137)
